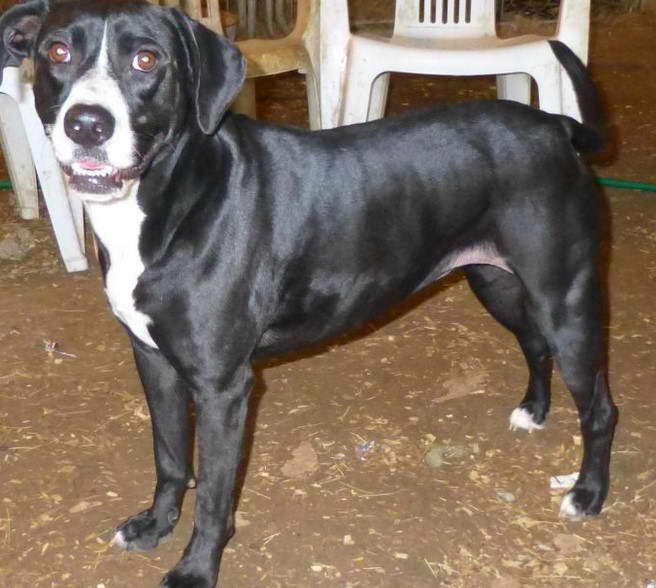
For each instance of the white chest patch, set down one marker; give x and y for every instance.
(117, 223)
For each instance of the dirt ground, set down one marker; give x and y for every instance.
(336, 490)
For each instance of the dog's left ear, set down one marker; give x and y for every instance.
(218, 70)
(19, 27)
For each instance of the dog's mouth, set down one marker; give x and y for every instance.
(91, 175)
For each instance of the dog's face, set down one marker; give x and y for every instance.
(116, 81)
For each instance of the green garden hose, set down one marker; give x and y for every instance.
(627, 184)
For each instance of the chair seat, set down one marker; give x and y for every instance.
(487, 56)
(265, 57)
(456, 43)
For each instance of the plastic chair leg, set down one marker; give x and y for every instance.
(314, 105)
(331, 94)
(548, 81)
(245, 101)
(515, 87)
(328, 48)
(68, 230)
(357, 93)
(378, 99)
(77, 210)
(18, 157)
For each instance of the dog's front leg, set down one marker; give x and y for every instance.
(168, 401)
(221, 406)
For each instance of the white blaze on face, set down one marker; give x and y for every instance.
(98, 87)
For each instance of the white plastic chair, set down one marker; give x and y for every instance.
(298, 51)
(458, 38)
(26, 147)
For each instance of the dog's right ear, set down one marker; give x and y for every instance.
(19, 27)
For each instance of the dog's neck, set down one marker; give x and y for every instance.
(113, 216)
(117, 224)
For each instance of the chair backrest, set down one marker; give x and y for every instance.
(445, 18)
(207, 12)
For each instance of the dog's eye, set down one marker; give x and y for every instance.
(144, 61)
(59, 53)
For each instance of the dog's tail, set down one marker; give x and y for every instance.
(590, 136)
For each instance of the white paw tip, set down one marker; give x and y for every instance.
(119, 540)
(569, 510)
(520, 418)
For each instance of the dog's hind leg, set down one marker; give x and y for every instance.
(566, 307)
(169, 410)
(504, 296)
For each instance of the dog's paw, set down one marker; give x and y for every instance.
(143, 532)
(179, 579)
(522, 418)
(579, 504)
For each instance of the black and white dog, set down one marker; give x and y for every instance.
(223, 238)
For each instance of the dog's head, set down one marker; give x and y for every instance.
(116, 81)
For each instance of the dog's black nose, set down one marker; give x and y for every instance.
(89, 125)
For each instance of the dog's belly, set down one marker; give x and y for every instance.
(479, 254)
(326, 315)
(118, 226)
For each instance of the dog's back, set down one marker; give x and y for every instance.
(365, 215)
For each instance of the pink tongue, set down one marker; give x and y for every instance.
(90, 163)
